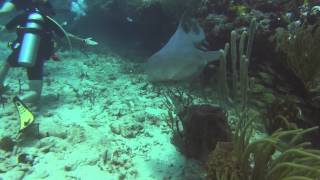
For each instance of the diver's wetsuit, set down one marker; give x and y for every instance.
(24, 5)
(46, 47)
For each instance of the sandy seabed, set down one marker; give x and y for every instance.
(99, 119)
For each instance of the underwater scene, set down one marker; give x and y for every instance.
(160, 89)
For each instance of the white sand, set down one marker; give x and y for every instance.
(102, 122)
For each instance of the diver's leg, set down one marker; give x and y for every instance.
(4, 69)
(5, 66)
(35, 75)
(33, 95)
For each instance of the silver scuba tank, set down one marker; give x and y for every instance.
(31, 40)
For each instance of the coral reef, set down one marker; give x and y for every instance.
(240, 57)
(282, 155)
(203, 126)
(283, 114)
(222, 163)
(275, 5)
(197, 127)
(220, 17)
(302, 54)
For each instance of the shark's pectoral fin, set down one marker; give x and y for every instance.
(210, 56)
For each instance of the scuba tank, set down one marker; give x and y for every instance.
(31, 39)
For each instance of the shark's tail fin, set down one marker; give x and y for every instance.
(189, 24)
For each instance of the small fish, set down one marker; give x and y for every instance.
(64, 23)
(129, 19)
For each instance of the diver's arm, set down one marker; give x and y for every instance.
(60, 32)
(7, 7)
(78, 40)
(15, 22)
(75, 39)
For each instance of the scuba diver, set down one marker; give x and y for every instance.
(34, 44)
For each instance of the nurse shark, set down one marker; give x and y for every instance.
(181, 58)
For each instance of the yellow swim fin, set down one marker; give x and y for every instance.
(25, 115)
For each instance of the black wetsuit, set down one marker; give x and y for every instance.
(46, 47)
